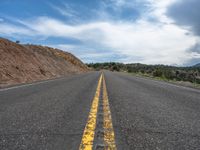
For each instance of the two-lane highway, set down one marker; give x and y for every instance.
(140, 114)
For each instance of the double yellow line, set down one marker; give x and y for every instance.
(89, 132)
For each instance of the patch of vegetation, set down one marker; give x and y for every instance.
(170, 73)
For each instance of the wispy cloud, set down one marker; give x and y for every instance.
(9, 29)
(142, 40)
(65, 10)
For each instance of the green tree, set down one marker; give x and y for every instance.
(157, 73)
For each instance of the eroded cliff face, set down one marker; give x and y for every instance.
(28, 63)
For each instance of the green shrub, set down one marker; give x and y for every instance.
(157, 73)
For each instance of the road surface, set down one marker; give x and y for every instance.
(113, 110)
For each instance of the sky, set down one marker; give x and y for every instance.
(129, 31)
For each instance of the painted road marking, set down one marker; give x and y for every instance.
(109, 136)
(88, 134)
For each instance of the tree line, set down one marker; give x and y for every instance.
(191, 74)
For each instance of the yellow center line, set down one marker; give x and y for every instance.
(109, 136)
(89, 132)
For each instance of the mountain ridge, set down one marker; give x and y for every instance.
(197, 65)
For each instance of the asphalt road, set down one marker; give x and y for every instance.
(146, 114)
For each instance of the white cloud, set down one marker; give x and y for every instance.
(65, 10)
(158, 9)
(141, 41)
(8, 29)
(166, 44)
(151, 44)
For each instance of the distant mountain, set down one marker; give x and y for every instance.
(27, 63)
(197, 65)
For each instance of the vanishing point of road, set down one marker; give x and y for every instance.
(98, 110)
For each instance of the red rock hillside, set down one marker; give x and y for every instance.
(28, 63)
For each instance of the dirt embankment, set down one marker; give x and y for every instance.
(28, 63)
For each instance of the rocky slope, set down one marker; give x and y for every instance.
(28, 63)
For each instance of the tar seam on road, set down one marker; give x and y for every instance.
(89, 132)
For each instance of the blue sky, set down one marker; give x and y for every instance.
(129, 31)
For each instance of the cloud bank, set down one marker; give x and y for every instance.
(156, 36)
(186, 13)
